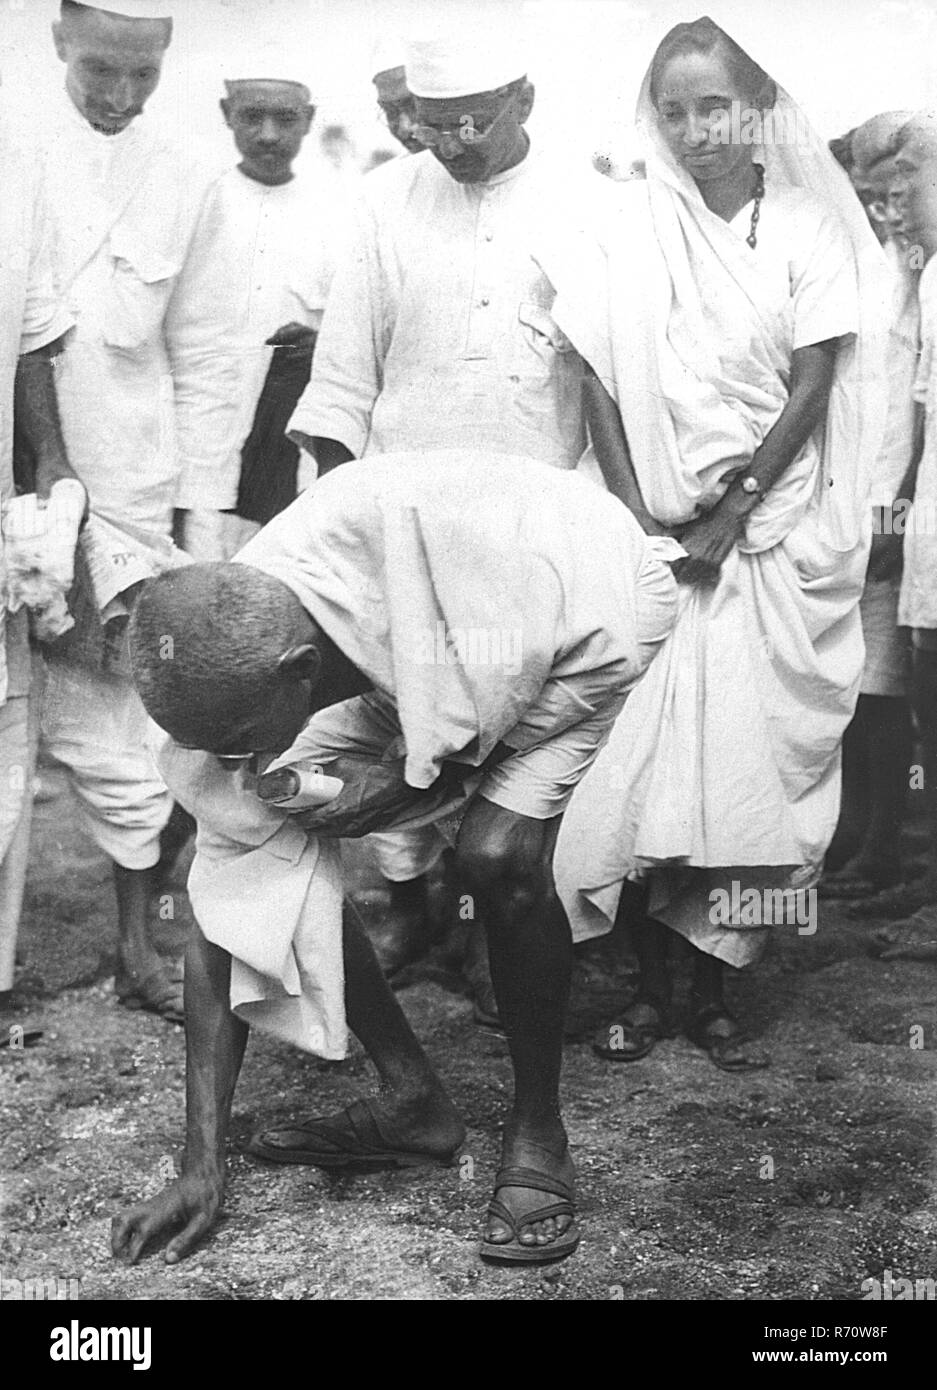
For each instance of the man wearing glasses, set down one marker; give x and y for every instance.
(438, 330)
(394, 99)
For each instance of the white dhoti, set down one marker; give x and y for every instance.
(96, 727)
(18, 737)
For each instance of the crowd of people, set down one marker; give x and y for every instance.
(563, 521)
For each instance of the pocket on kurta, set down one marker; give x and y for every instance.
(141, 283)
(542, 332)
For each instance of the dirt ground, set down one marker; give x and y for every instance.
(796, 1182)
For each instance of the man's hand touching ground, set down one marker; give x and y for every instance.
(190, 1202)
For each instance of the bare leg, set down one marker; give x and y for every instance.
(632, 1034)
(883, 726)
(889, 744)
(142, 977)
(415, 1102)
(413, 1110)
(712, 1025)
(506, 860)
(405, 933)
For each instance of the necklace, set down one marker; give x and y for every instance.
(752, 238)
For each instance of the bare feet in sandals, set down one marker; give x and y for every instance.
(634, 1033)
(531, 1219)
(389, 1132)
(722, 1038)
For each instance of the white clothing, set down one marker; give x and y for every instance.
(724, 764)
(19, 731)
(31, 316)
(261, 257)
(472, 48)
(438, 331)
(135, 375)
(917, 606)
(383, 553)
(904, 333)
(96, 726)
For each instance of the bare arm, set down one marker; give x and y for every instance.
(611, 449)
(710, 538)
(37, 412)
(215, 1042)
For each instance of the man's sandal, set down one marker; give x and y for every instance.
(512, 1252)
(720, 1035)
(351, 1138)
(633, 1034)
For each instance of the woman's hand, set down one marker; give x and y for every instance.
(708, 541)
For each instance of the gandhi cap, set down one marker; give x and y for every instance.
(479, 50)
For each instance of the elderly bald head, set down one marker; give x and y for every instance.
(222, 654)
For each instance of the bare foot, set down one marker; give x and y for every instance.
(553, 1160)
(383, 1131)
(146, 980)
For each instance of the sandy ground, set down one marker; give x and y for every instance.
(796, 1182)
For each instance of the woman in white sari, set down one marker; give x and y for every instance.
(727, 314)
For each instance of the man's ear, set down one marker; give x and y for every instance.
(310, 114)
(301, 663)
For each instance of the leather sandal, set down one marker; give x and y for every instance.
(634, 1033)
(512, 1252)
(720, 1035)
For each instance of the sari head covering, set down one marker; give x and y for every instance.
(723, 767)
(649, 301)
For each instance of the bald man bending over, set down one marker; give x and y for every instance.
(417, 629)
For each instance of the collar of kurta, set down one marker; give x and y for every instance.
(121, 140)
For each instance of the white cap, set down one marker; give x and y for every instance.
(479, 51)
(266, 63)
(134, 9)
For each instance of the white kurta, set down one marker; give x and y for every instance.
(123, 211)
(261, 258)
(918, 603)
(137, 391)
(438, 331)
(724, 765)
(30, 317)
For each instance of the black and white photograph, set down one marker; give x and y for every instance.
(468, 662)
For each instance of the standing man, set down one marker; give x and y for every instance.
(915, 190)
(438, 330)
(394, 99)
(139, 398)
(32, 323)
(259, 267)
